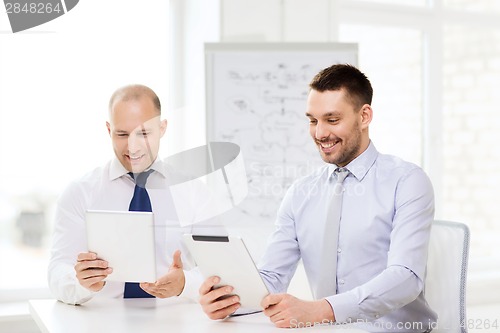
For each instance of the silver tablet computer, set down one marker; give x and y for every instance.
(126, 240)
(228, 258)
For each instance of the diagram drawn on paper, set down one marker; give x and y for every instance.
(258, 101)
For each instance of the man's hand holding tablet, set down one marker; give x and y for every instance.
(218, 303)
(233, 280)
(91, 271)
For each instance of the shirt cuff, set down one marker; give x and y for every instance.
(66, 288)
(345, 307)
(83, 293)
(193, 281)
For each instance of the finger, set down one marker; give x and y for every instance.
(270, 300)
(271, 311)
(282, 323)
(90, 281)
(90, 273)
(86, 256)
(147, 285)
(223, 307)
(281, 318)
(94, 283)
(224, 312)
(97, 286)
(208, 285)
(271, 304)
(102, 264)
(277, 316)
(153, 291)
(216, 294)
(83, 265)
(177, 261)
(163, 292)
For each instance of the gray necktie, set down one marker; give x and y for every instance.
(327, 285)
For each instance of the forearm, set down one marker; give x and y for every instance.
(279, 262)
(392, 289)
(64, 285)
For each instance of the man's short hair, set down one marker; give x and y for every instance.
(345, 77)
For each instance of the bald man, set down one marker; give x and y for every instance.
(76, 275)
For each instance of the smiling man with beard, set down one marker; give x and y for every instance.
(368, 264)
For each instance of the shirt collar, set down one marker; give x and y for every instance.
(117, 170)
(360, 165)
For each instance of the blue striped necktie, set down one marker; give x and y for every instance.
(140, 203)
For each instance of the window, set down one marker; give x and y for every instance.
(398, 2)
(471, 158)
(473, 5)
(392, 59)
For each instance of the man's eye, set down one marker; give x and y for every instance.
(312, 121)
(122, 135)
(333, 120)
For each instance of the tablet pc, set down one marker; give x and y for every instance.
(228, 258)
(126, 241)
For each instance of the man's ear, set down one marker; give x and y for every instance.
(366, 114)
(163, 127)
(109, 128)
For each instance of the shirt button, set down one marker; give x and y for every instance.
(339, 250)
(341, 281)
(377, 315)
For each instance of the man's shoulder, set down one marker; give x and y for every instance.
(82, 188)
(395, 166)
(91, 178)
(96, 173)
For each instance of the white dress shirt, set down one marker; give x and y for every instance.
(387, 210)
(111, 188)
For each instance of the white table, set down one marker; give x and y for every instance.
(148, 316)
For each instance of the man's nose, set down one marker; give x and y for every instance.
(133, 144)
(321, 131)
